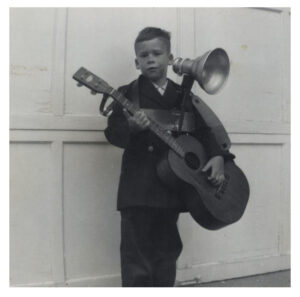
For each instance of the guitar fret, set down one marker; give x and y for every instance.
(123, 101)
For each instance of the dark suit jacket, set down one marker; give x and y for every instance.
(139, 184)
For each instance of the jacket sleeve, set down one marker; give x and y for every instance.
(119, 130)
(204, 134)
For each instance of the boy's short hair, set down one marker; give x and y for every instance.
(149, 33)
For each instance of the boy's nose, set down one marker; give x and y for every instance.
(151, 59)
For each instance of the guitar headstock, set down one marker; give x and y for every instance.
(91, 81)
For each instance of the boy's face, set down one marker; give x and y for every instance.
(153, 58)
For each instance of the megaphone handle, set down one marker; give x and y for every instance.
(187, 84)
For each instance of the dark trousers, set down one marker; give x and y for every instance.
(150, 246)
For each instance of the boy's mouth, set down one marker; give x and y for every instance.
(152, 68)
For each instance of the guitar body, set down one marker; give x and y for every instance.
(211, 207)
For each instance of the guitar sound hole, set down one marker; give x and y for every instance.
(192, 160)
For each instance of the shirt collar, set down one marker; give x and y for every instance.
(161, 89)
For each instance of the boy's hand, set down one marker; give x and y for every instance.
(216, 164)
(138, 121)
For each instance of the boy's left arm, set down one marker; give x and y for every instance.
(216, 155)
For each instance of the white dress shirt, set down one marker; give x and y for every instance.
(161, 89)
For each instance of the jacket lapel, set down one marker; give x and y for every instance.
(172, 95)
(149, 96)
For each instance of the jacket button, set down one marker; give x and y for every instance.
(150, 148)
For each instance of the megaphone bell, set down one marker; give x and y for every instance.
(210, 70)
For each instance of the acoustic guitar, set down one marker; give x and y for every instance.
(211, 207)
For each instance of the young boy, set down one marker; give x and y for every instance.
(150, 242)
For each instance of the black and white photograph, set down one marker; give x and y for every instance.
(149, 147)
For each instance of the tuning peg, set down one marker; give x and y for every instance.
(93, 92)
(79, 85)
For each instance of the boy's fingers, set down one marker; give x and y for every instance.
(213, 172)
(206, 167)
(216, 181)
(126, 113)
(216, 178)
(221, 177)
(142, 117)
(139, 118)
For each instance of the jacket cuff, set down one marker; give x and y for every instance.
(226, 155)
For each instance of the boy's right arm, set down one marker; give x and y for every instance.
(121, 125)
(117, 131)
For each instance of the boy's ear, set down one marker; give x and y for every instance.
(137, 65)
(171, 58)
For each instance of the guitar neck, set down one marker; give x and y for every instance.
(98, 85)
(120, 98)
(154, 127)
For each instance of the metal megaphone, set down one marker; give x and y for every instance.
(210, 70)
